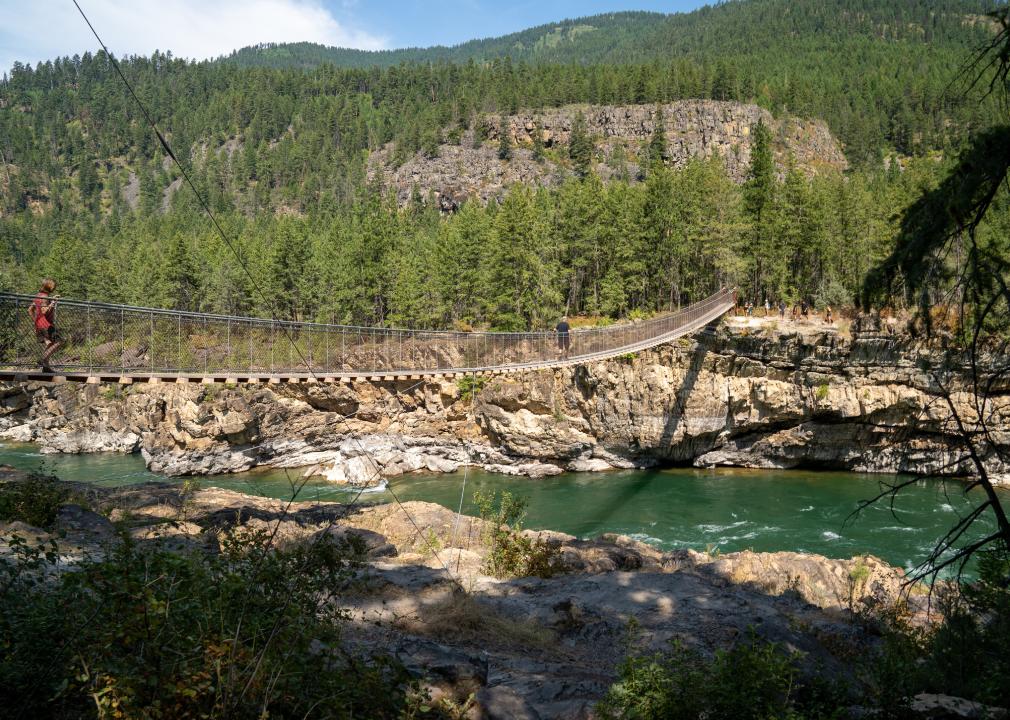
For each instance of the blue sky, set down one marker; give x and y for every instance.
(421, 23)
(36, 30)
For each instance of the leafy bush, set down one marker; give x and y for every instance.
(34, 500)
(510, 553)
(752, 680)
(470, 385)
(833, 293)
(965, 655)
(249, 633)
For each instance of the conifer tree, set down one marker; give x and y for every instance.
(181, 276)
(759, 198)
(504, 139)
(538, 142)
(580, 146)
(289, 269)
(657, 144)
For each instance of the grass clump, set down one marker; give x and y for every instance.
(461, 617)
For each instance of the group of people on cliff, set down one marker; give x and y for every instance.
(800, 310)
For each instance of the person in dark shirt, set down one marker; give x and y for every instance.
(564, 337)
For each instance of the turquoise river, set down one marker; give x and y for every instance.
(765, 510)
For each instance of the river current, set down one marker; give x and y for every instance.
(763, 510)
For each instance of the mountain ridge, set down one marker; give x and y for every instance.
(634, 36)
(307, 54)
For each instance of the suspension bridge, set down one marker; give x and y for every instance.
(102, 342)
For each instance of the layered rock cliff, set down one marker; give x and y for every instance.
(694, 128)
(750, 395)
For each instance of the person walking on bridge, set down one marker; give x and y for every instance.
(564, 337)
(43, 314)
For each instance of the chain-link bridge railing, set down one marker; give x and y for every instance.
(102, 339)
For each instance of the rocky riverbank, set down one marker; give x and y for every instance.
(525, 647)
(752, 394)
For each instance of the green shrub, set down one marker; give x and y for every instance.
(470, 385)
(249, 633)
(965, 655)
(34, 500)
(510, 553)
(858, 576)
(822, 391)
(753, 680)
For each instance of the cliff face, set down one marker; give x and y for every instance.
(749, 396)
(694, 128)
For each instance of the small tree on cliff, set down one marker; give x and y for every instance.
(538, 142)
(504, 141)
(580, 146)
(657, 144)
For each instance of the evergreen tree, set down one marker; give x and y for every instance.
(289, 270)
(521, 296)
(504, 139)
(181, 276)
(580, 146)
(759, 198)
(657, 143)
(71, 263)
(538, 142)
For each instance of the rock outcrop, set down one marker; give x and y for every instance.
(751, 395)
(524, 647)
(694, 128)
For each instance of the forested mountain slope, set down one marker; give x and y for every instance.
(283, 157)
(876, 70)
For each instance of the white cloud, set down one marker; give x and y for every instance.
(46, 29)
